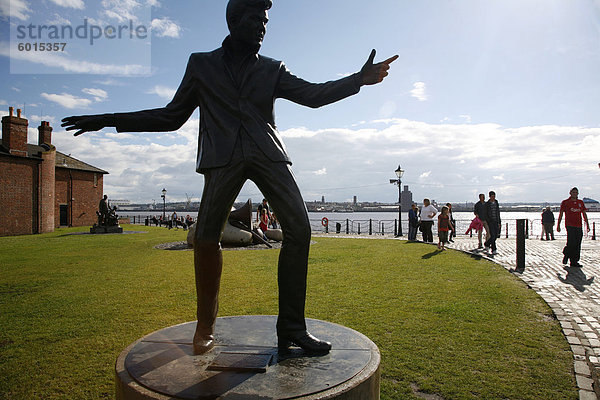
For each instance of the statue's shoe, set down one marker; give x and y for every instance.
(304, 340)
(203, 343)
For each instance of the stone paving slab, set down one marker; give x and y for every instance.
(573, 294)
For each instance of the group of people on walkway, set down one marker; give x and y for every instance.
(487, 219)
(423, 220)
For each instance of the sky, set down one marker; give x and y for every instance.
(496, 95)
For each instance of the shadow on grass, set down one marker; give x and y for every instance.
(433, 253)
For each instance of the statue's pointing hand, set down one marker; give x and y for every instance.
(86, 123)
(374, 73)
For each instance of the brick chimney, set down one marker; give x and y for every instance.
(14, 133)
(45, 133)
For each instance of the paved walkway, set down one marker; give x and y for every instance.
(572, 293)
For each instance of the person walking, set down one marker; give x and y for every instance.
(413, 222)
(480, 212)
(573, 209)
(452, 232)
(492, 209)
(444, 226)
(548, 223)
(428, 212)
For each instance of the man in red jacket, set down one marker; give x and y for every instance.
(574, 209)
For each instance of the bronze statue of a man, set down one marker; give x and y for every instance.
(103, 210)
(235, 89)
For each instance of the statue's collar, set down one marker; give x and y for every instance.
(229, 51)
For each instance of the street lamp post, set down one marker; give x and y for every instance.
(164, 197)
(399, 172)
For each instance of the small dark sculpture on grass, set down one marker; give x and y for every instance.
(235, 89)
(108, 221)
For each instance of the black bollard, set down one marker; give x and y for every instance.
(593, 231)
(521, 244)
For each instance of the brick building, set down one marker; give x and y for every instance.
(40, 187)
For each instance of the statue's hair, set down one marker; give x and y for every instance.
(236, 8)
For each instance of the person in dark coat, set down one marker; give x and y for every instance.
(492, 209)
(235, 89)
(548, 223)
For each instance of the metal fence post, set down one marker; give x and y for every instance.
(370, 226)
(395, 227)
(521, 244)
(347, 227)
(359, 227)
(507, 230)
(382, 227)
(593, 231)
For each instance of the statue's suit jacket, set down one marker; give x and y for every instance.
(226, 107)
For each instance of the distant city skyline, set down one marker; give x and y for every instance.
(498, 95)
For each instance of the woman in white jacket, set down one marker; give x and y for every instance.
(428, 212)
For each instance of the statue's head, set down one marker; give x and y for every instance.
(247, 21)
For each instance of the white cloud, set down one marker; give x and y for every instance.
(419, 91)
(122, 10)
(16, 89)
(58, 20)
(163, 91)
(466, 118)
(68, 65)
(15, 9)
(36, 119)
(78, 4)
(138, 169)
(446, 162)
(67, 100)
(164, 27)
(98, 94)
(110, 82)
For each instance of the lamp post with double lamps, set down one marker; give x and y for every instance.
(399, 172)
(164, 196)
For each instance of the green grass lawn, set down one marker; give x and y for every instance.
(444, 322)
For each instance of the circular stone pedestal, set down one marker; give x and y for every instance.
(245, 364)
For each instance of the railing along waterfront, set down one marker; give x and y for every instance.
(533, 227)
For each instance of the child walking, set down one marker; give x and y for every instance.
(444, 225)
